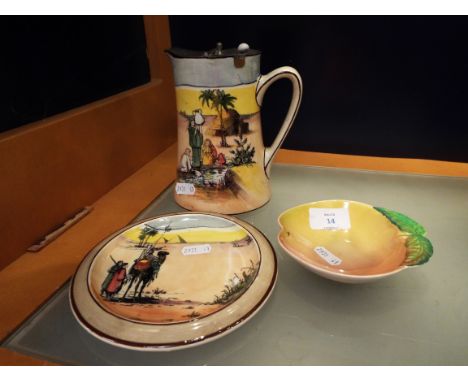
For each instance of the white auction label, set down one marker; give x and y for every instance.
(185, 189)
(329, 257)
(329, 218)
(196, 249)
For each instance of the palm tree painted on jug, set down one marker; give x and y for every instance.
(206, 97)
(218, 100)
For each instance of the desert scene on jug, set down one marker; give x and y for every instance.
(220, 150)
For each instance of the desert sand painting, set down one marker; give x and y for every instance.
(221, 149)
(174, 269)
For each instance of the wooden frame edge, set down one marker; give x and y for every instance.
(414, 166)
(52, 168)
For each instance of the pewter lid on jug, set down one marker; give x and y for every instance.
(217, 67)
(218, 52)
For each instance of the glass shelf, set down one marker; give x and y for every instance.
(417, 317)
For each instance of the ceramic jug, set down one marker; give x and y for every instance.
(223, 165)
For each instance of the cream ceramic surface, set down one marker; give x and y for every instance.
(223, 164)
(378, 242)
(173, 281)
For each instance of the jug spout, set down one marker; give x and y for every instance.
(217, 67)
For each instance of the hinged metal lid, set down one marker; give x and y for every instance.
(242, 50)
(215, 68)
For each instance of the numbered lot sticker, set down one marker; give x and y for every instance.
(185, 189)
(329, 257)
(329, 218)
(191, 250)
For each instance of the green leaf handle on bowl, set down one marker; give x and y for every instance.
(419, 248)
(403, 222)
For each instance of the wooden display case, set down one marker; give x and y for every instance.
(51, 169)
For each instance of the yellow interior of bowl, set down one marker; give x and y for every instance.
(372, 245)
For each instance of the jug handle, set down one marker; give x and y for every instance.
(263, 84)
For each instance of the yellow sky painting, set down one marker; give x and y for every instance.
(246, 103)
(194, 235)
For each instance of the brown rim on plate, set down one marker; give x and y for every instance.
(247, 304)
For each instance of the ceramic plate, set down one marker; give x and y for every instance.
(173, 281)
(352, 242)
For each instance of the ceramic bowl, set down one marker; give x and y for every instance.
(352, 242)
